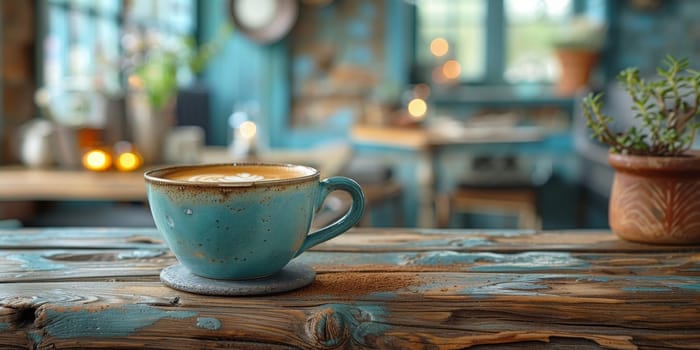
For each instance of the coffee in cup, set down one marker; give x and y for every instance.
(246, 220)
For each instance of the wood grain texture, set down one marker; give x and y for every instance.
(392, 289)
(125, 265)
(357, 239)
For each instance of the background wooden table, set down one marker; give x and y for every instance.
(68, 288)
(20, 183)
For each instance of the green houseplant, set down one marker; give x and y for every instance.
(577, 48)
(154, 77)
(657, 174)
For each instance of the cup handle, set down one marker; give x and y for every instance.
(344, 223)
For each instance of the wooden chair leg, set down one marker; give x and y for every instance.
(443, 210)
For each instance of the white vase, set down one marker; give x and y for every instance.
(148, 126)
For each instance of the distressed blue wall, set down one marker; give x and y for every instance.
(234, 75)
(642, 38)
(245, 70)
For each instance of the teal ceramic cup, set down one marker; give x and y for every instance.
(246, 220)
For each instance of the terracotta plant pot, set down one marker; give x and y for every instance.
(576, 67)
(656, 199)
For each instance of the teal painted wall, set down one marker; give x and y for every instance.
(244, 70)
(234, 74)
(643, 38)
(248, 71)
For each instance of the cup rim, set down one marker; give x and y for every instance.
(155, 175)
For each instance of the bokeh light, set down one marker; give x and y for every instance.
(248, 129)
(128, 161)
(417, 108)
(97, 160)
(451, 69)
(439, 47)
(135, 81)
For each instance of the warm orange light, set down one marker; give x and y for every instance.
(451, 69)
(439, 47)
(97, 160)
(135, 81)
(248, 129)
(128, 161)
(417, 108)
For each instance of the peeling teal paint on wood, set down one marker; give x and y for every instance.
(371, 330)
(455, 242)
(35, 336)
(690, 286)
(34, 262)
(210, 323)
(441, 258)
(465, 261)
(530, 261)
(498, 262)
(369, 320)
(670, 282)
(63, 233)
(350, 259)
(111, 322)
(507, 284)
(488, 232)
(595, 279)
(82, 238)
(4, 326)
(141, 254)
(336, 324)
(646, 289)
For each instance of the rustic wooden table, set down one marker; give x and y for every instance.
(20, 183)
(398, 288)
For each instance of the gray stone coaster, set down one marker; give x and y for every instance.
(293, 276)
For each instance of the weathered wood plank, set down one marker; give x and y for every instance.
(358, 239)
(81, 238)
(400, 310)
(503, 241)
(86, 265)
(145, 264)
(99, 288)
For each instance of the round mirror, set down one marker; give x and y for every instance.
(264, 21)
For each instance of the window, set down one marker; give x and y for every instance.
(87, 45)
(81, 40)
(531, 27)
(494, 41)
(462, 24)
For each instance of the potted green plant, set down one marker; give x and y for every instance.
(656, 186)
(154, 78)
(577, 48)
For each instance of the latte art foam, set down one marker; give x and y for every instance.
(237, 174)
(240, 177)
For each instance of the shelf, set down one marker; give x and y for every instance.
(501, 95)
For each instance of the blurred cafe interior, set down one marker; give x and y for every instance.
(449, 113)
